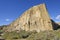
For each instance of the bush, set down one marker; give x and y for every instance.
(14, 35)
(46, 35)
(10, 35)
(23, 34)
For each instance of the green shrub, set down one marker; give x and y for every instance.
(10, 35)
(14, 35)
(24, 34)
(33, 35)
(46, 35)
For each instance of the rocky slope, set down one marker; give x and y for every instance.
(35, 18)
(58, 23)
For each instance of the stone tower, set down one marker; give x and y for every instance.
(35, 18)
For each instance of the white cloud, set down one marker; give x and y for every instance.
(58, 17)
(7, 19)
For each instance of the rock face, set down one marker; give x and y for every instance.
(58, 23)
(35, 18)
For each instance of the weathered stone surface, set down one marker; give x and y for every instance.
(35, 18)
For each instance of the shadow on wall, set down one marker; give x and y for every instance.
(55, 25)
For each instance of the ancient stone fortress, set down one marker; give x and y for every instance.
(35, 18)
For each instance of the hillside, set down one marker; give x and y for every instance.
(33, 24)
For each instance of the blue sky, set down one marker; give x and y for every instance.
(12, 9)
